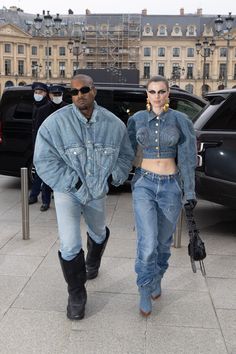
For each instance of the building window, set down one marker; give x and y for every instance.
(190, 52)
(223, 52)
(34, 50)
(132, 65)
(21, 69)
(191, 31)
(62, 69)
(62, 51)
(7, 67)
(222, 71)
(34, 66)
(176, 52)
(75, 67)
(189, 73)
(234, 71)
(103, 65)
(160, 69)
(48, 51)
(7, 48)
(189, 88)
(147, 51)
(21, 49)
(146, 71)
(162, 31)
(161, 52)
(89, 65)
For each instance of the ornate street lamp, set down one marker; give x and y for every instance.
(77, 43)
(52, 26)
(205, 49)
(225, 33)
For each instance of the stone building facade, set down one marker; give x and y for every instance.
(117, 43)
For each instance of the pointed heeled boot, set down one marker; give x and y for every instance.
(156, 293)
(145, 304)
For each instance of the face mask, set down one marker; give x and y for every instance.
(38, 97)
(57, 99)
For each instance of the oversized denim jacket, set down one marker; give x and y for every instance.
(68, 147)
(170, 135)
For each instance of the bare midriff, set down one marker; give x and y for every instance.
(160, 166)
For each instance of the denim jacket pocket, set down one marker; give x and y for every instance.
(76, 156)
(105, 157)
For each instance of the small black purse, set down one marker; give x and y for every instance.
(196, 247)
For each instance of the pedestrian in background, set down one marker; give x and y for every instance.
(40, 99)
(77, 149)
(164, 179)
(54, 103)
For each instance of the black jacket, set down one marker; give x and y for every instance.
(43, 112)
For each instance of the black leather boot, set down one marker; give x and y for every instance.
(74, 272)
(94, 255)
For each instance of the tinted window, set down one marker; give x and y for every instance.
(126, 103)
(224, 118)
(184, 106)
(16, 105)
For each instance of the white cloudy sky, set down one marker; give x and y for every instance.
(209, 7)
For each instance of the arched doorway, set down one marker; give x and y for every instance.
(9, 83)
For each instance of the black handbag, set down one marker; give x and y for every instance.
(196, 247)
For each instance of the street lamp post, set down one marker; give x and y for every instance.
(52, 25)
(205, 49)
(77, 42)
(226, 35)
(36, 68)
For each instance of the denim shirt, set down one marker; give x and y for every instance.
(68, 147)
(169, 135)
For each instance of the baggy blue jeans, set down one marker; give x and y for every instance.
(68, 211)
(157, 202)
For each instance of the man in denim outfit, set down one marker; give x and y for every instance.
(77, 149)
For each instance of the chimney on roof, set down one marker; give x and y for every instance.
(88, 12)
(144, 12)
(181, 11)
(199, 12)
(43, 12)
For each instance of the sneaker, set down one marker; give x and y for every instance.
(32, 200)
(44, 207)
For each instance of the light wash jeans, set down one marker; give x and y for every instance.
(68, 211)
(157, 202)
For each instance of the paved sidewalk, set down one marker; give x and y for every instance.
(194, 315)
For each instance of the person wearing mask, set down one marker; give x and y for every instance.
(40, 99)
(54, 103)
(78, 149)
(165, 178)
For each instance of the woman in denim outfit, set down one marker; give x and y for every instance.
(164, 179)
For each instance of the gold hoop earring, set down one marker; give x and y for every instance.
(148, 105)
(166, 106)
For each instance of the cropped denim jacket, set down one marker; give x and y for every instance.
(68, 147)
(169, 135)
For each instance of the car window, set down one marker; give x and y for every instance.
(187, 107)
(224, 117)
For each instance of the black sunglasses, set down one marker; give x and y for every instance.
(160, 92)
(83, 90)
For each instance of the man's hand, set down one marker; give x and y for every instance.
(190, 204)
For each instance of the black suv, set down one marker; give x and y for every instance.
(216, 133)
(16, 149)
